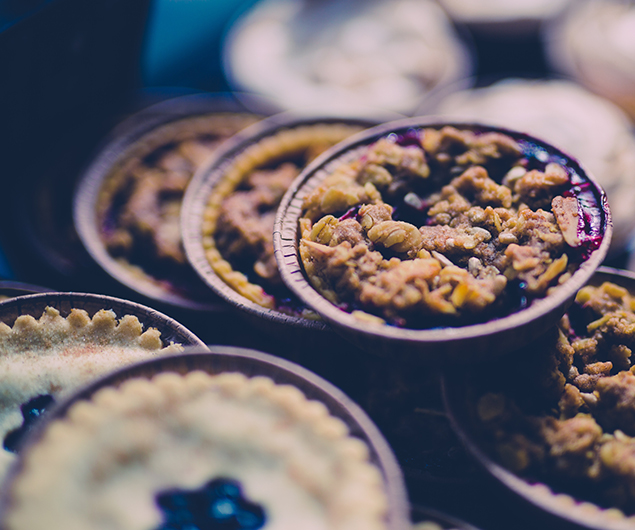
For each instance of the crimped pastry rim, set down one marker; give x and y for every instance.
(203, 185)
(218, 359)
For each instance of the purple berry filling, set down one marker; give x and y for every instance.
(31, 411)
(219, 505)
(409, 138)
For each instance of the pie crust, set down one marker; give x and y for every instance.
(53, 355)
(103, 464)
(138, 206)
(288, 149)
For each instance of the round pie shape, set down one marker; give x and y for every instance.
(116, 447)
(54, 343)
(407, 203)
(337, 57)
(128, 202)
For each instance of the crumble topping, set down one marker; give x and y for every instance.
(562, 411)
(578, 121)
(449, 223)
(139, 206)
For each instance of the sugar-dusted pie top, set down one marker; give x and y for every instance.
(105, 464)
(53, 355)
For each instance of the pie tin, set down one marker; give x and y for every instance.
(34, 305)
(124, 137)
(470, 343)
(420, 514)
(553, 510)
(219, 359)
(202, 186)
(11, 289)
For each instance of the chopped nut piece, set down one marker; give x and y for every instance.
(566, 211)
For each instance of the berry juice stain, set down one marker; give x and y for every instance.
(219, 505)
(412, 137)
(31, 411)
(592, 220)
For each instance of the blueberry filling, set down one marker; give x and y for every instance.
(409, 138)
(219, 505)
(351, 213)
(31, 411)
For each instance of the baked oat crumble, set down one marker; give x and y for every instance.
(139, 206)
(562, 411)
(446, 226)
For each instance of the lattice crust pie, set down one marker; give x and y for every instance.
(43, 359)
(446, 226)
(196, 451)
(238, 220)
(139, 205)
(595, 44)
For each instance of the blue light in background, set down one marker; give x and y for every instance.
(183, 42)
(5, 270)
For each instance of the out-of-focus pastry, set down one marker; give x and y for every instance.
(558, 415)
(128, 203)
(595, 43)
(334, 55)
(587, 126)
(199, 451)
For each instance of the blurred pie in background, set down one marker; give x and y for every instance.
(595, 44)
(580, 123)
(138, 207)
(335, 55)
